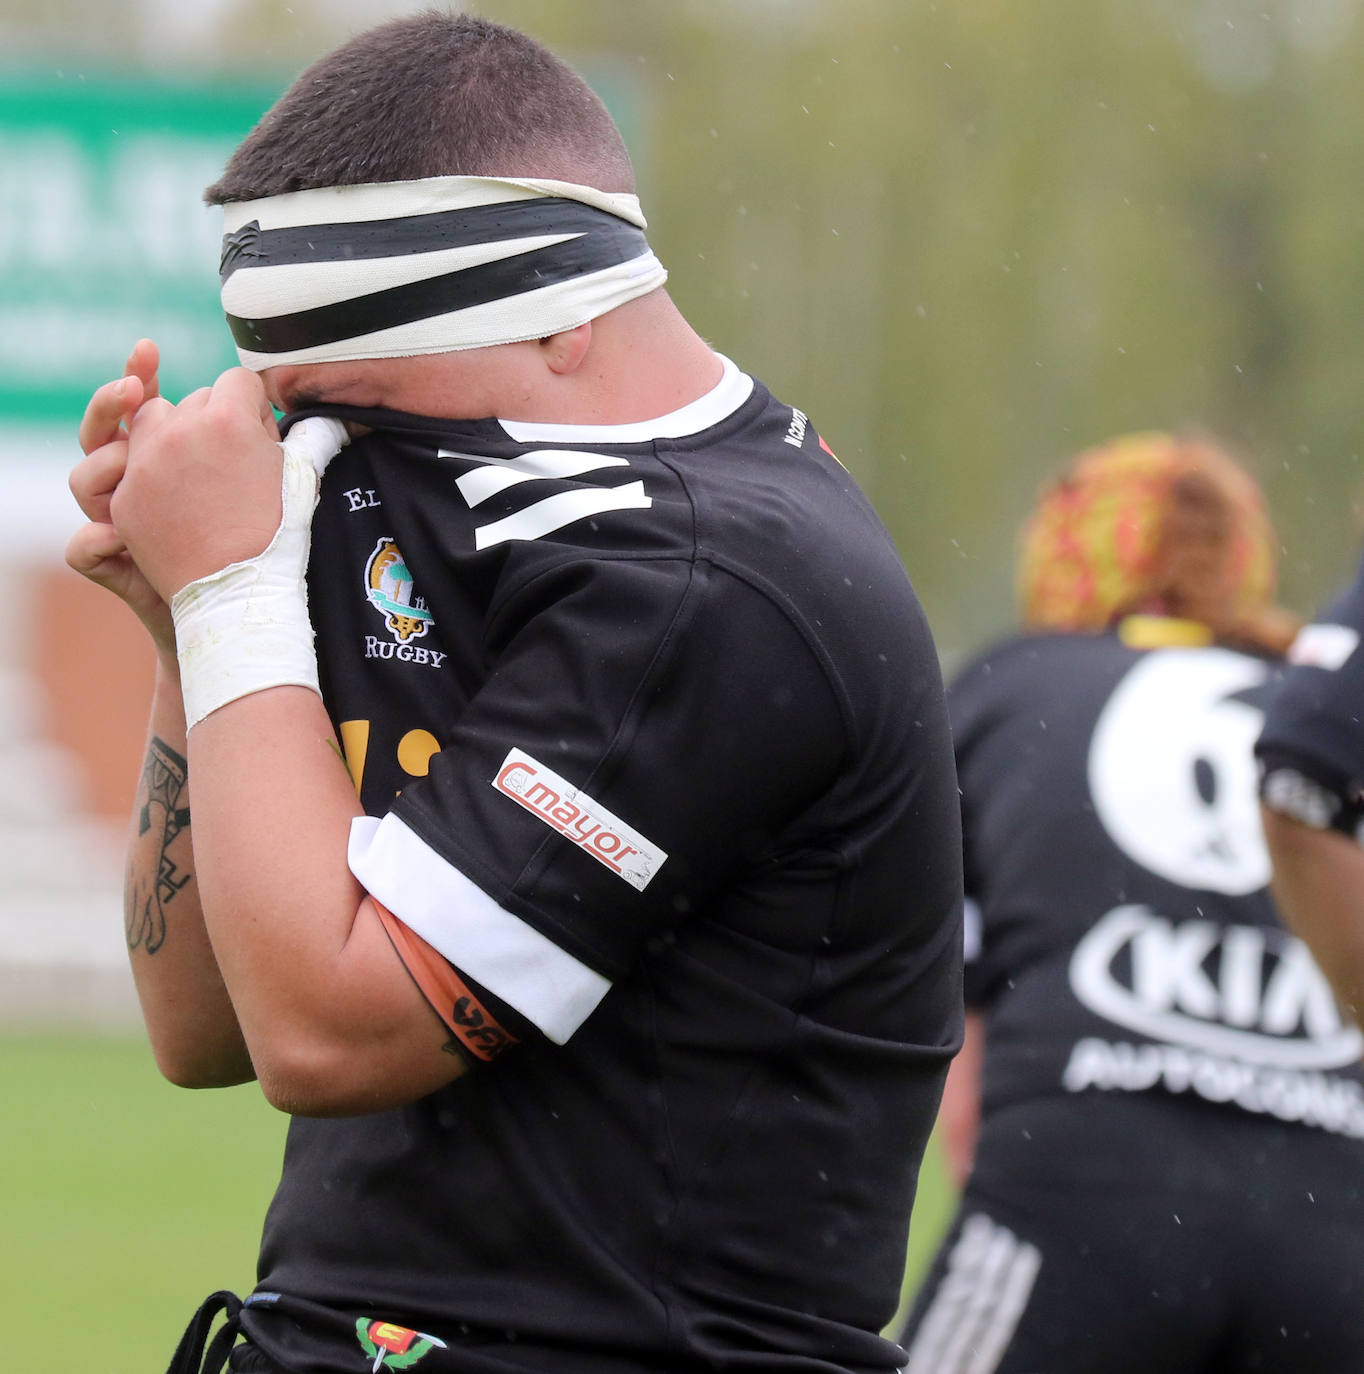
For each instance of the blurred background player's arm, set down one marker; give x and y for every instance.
(959, 1115)
(190, 1019)
(1319, 885)
(1311, 760)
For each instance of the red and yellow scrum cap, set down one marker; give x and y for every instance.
(1155, 524)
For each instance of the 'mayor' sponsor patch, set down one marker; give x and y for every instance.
(578, 818)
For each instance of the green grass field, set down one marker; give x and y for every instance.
(127, 1201)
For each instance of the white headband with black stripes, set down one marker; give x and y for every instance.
(393, 269)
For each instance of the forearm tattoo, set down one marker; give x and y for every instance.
(155, 879)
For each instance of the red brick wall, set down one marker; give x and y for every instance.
(95, 665)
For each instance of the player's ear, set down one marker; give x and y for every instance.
(564, 352)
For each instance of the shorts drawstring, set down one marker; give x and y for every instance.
(190, 1356)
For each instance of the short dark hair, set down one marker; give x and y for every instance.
(430, 95)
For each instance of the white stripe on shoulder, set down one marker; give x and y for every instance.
(496, 476)
(721, 401)
(429, 895)
(563, 508)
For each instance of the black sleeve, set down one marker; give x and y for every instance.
(1311, 750)
(677, 707)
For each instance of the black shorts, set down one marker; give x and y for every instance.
(1108, 1234)
(246, 1359)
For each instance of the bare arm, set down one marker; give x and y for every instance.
(189, 1017)
(1319, 884)
(333, 1022)
(959, 1115)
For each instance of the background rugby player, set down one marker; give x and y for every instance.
(1163, 1101)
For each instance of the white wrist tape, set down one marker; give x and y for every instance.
(245, 627)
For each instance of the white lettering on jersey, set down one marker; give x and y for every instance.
(1301, 798)
(552, 512)
(1172, 773)
(1300, 1095)
(579, 818)
(1247, 992)
(361, 498)
(795, 431)
(404, 653)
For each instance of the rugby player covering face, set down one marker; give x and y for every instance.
(588, 889)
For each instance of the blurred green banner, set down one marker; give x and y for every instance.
(103, 234)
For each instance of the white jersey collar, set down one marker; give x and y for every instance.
(728, 394)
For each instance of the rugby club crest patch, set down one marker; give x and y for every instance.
(389, 589)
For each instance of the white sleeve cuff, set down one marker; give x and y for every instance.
(548, 986)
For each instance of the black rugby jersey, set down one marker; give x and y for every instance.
(1311, 750)
(1117, 878)
(651, 727)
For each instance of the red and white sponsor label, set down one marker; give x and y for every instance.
(577, 817)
